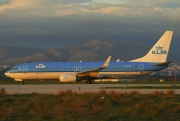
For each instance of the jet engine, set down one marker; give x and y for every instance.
(67, 78)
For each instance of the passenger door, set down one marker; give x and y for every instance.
(141, 68)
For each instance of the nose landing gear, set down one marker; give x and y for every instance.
(22, 83)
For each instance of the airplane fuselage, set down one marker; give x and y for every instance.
(53, 70)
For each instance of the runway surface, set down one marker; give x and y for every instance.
(79, 88)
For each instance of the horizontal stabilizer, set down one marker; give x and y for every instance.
(163, 64)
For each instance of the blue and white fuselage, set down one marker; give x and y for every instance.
(153, 61)
(54, 70)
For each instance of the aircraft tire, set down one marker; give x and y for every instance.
(89, 82)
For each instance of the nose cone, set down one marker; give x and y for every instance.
(7, 73)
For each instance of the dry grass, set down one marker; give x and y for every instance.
(169, 94)
(2, 91)
(69, 105)
(65, 92)
(157, 93)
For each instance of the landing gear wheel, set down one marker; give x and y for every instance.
(89, 82)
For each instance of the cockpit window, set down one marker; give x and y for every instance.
(14, 68)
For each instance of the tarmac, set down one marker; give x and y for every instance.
(80, 88)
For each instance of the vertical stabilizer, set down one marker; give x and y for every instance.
(159, 51)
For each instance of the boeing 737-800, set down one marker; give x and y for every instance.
(153, 61)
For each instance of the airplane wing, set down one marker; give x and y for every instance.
(163, 64)
(94, 72)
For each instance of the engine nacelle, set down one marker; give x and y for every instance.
(67, 78)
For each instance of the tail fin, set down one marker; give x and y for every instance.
(159, 51)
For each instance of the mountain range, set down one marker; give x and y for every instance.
(94, 50)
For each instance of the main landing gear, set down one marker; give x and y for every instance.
(89, 82)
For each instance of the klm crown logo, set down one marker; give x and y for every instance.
(159, 50)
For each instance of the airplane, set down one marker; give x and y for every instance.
(153, 61)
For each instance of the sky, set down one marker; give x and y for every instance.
(59, 23)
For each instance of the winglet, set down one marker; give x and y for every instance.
(106, 63)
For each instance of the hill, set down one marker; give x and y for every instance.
(7, 52)
(94, 50)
